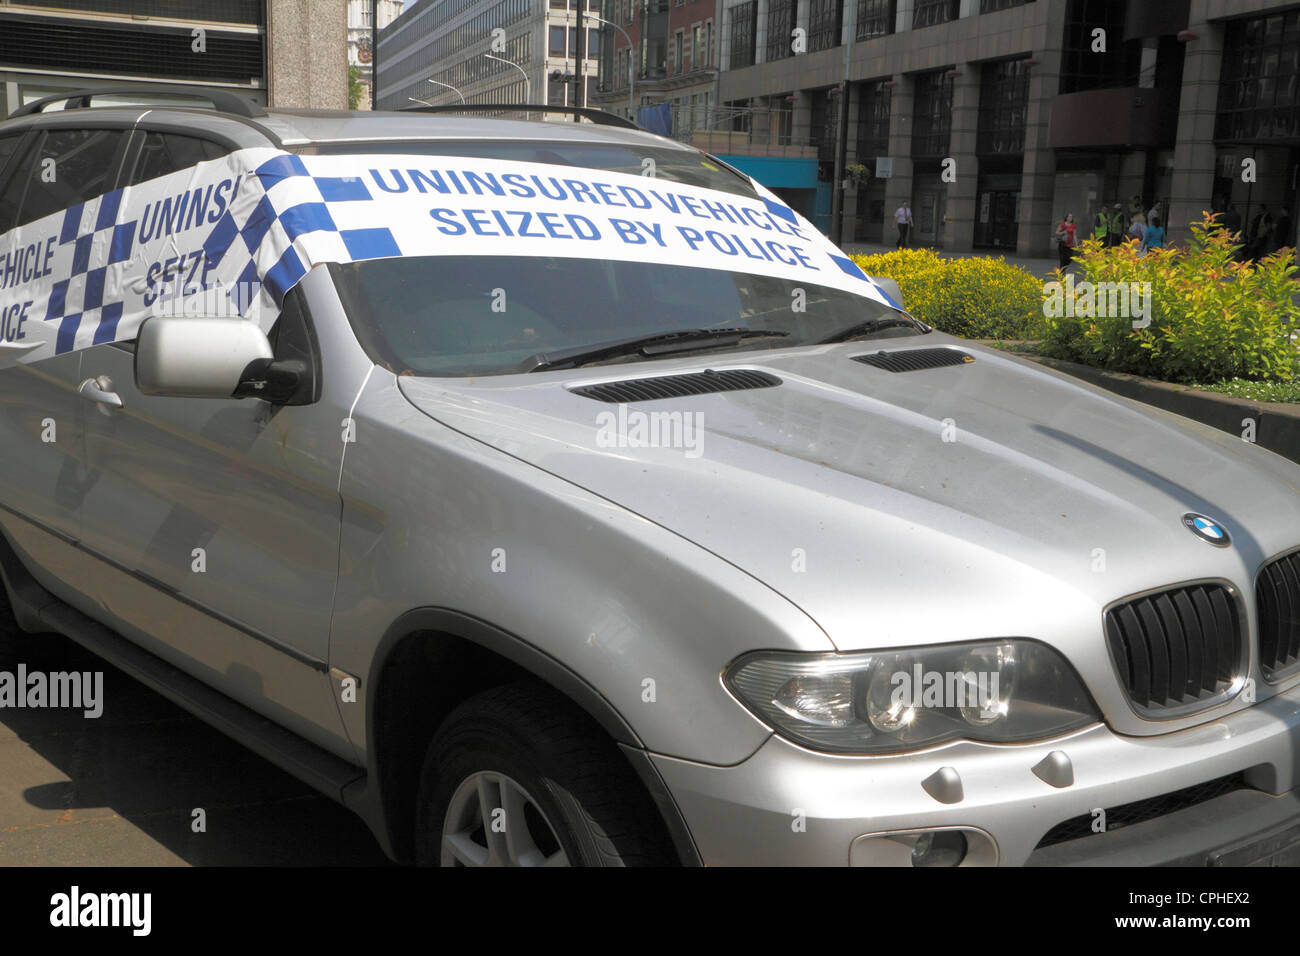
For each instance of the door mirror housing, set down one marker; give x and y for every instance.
(193, 357)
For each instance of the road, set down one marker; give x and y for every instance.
(121, 789)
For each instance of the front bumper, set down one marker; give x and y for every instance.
(789, 806)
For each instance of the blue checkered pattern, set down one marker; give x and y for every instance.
(100, 242)
(230, 238)
(94, 233)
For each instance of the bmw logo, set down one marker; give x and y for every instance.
(1207, 530)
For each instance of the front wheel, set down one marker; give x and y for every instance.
(516, 776)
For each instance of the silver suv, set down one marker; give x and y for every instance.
(679, 542)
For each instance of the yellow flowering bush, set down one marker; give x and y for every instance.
(975, 297)
(1205, 317)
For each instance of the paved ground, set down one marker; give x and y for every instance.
(120, 789)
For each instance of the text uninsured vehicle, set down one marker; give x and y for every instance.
(552, 493)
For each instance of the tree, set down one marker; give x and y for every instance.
(355, 89)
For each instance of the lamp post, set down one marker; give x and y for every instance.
(631, 62)
(528, 88)
(450, 87)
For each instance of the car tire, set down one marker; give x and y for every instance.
(525, 748)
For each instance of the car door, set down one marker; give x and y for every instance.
(219, 522)
(43, 475)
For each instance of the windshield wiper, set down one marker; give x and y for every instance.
(873, 325)
(660, 343)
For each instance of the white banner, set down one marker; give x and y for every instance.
(233, 235)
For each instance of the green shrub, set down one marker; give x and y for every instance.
(1211, 318)
(975, 297)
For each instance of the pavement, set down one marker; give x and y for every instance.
(120, 789)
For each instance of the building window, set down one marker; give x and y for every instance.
(557, 41)
(873, 120)
(744, 21)
(698, 52)
(824, 21)
(1083, 69)
(993, 6)
(679, 51)
(876, 18)
(1004, 103)
(1259, 83)
(781, 16)
(928, 13)
(931, 114)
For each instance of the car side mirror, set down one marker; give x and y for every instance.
(195, 357)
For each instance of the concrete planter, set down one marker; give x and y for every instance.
(1277, 426)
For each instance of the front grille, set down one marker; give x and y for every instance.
(676, 386)
(914, 360)
(1142, 810)
(1277, 596)
(1176, 650)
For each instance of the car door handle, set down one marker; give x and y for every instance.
(100, 391)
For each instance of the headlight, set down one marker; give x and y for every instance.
(880, 702)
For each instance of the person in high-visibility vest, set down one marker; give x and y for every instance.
(1101, 225)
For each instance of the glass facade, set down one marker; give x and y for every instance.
(1004, 102)
(744, 34)
(1259, 83)
(876, 18)
(931, 114)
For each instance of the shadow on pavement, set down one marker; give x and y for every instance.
(121, 789)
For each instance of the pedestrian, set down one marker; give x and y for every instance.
(1065, 232)
(1231, 220)
(903, 219)
(1101, 225)
(1261, 242)
(1138, 230)
(1135, 210)
(1154, 211)
(1117, 226)
(1154, 237)
(1282, 231)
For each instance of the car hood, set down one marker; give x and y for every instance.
(990, 498)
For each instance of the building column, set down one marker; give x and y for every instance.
(849, 201)
(1038, 174)
(1192, 182)
(899, 186)
(959, 197)
(307, 54)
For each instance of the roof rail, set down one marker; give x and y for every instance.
(223, 101)
(599, 117)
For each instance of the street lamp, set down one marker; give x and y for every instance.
(450, 87)
(528, 94)
(631, 62)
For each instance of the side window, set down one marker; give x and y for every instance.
(8, 197)
(66, 167)
(163, 153)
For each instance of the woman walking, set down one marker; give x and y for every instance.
(1065, 231)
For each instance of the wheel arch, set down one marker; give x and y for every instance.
(429, 661)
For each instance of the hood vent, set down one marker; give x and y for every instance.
(914, 360)
(676, 386)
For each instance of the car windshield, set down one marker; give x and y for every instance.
(688, 166)
(456, 316)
